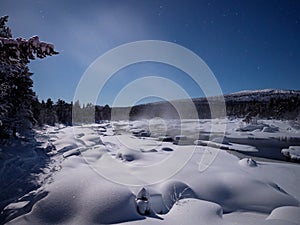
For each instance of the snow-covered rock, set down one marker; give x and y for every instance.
(248, 162)
(128, 155)
(165, 138)
(270, 129)
(292, 152)
(143, 202)
(251, 127)
(258, 127)
(180, 137)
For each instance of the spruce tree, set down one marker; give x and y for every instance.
(16, 94)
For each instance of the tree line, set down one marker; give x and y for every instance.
(50, 113)
(276, 107)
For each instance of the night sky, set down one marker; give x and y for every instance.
(247, 44)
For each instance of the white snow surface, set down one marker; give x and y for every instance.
(230, 191)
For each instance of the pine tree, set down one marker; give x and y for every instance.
(63, 112)
(16, 84)
(51, 117)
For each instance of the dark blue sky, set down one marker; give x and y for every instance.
(247, 44)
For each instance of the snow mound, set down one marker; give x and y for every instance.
(172, 191)
(114, 204)
(248, 162)
(192, 211)
(128, 155)
(292, 152)
(74, 152)
(270, 129)
(88, 200)
(92, 155)
(286, 213)
(248, 193)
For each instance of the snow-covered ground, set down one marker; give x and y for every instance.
(97, 173)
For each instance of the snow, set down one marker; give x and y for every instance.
(258, 127)
(193, 210)
(248, 162)
(104, 178)
(128, 154)
(286, 213)
(292, 152)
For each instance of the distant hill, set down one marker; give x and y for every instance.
(268, 104)
(262, 95)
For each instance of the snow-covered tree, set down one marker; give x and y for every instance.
(16, 93)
